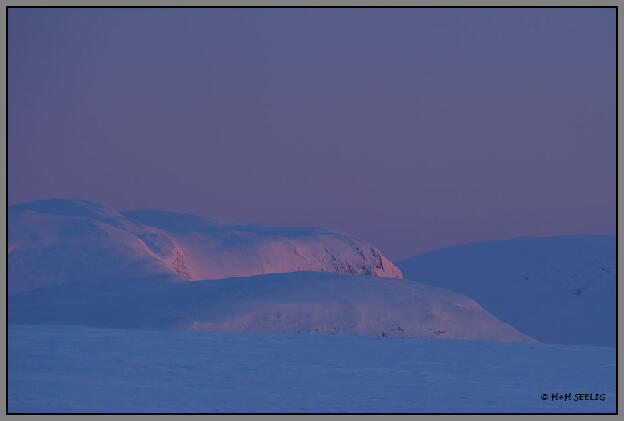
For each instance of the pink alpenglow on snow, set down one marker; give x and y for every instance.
(52, 242)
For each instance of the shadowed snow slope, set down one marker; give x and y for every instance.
(294, 302)
(52, 242)
(555, 289)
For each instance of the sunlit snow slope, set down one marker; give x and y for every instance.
(297, 302)
(52, 242)
(555, 289)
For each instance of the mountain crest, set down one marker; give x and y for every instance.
(58, 241)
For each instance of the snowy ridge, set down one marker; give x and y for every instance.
(52, 242)
(245, 250)
(296, 302)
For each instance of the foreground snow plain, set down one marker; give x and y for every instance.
(86, 369)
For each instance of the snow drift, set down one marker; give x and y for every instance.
(555, 289)
(297, 302)
(52, 242)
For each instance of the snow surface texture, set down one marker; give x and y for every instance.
(80, 369)
(555, 289)
(51, 242)
(297, 302)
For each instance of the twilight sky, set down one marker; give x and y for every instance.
(414, 129)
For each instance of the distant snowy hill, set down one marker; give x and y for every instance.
(297, 302)
(52, 242)
(555, 289)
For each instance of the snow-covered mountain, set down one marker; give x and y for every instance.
(555, 289)
(244, 250)
(52, 242)
(296, 302)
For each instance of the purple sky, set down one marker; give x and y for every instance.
(414, 129)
